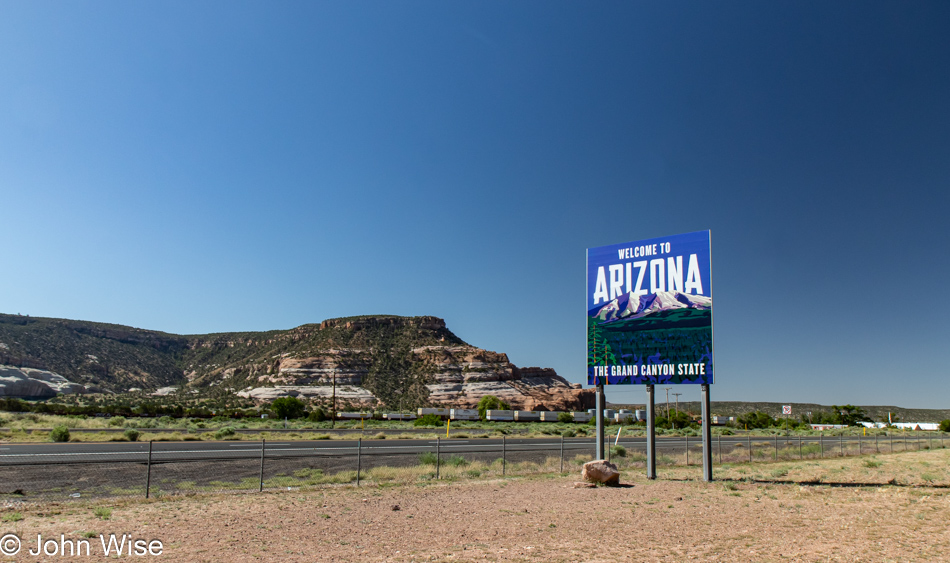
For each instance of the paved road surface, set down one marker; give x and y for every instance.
(15, 454)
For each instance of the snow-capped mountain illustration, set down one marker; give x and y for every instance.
(629, 306)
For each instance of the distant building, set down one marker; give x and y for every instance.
(917, 425)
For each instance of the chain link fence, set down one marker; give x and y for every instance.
(161, 468)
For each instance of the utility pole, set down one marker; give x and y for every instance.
(667, 403)
(677, 395)
(333, 414)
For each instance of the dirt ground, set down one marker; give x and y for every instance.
(891, 507)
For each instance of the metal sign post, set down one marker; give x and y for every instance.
(651, 433)
(600, 423)
(707, 438)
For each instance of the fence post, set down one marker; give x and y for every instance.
(841, 444)
(750, 447)
(821, 444)
(890, 439)
(687, 450)
(562, 453)
(359, 459)
(504, 456)
(263, 441)
(719, 447)
(877, 448)
(775, 456)
(801, 454)
(438, 456)
(148, 470)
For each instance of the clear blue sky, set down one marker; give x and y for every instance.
(221, 166)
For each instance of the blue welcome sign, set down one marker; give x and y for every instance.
(649, 311)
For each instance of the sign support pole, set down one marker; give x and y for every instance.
(600, 423)
(651, 433)
(707, 437)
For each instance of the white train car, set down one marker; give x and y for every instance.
(354, 415)
(527, 416)
(399, 416)
(503, 415)
(438, 411)
(550, 416)
(581, 416)
(463, 414)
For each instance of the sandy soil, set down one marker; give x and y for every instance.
(873, 508)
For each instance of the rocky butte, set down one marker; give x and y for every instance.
(373, 361)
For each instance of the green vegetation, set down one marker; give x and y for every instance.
(428, 421)
(565, 417)
(288, 407)
(945, 425)
(131, 434)
(59, 434)
(491, 403)
(102, 513)
(427, 458)
(11, 517)
(224, 433)
(456, 461)
(618, 451)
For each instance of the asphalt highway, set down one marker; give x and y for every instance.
(99, 452)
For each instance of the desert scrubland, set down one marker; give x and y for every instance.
(886, 507)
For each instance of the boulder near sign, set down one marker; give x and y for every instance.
(649, 311)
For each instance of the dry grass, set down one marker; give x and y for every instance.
(873, 508)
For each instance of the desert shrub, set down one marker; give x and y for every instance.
(117, 421)
(59, 434)
(569, 433)
(287, 407)
(132, 434)
(317, 415)
(103, 513)
(618, 451)
(427, 458)
(756, 419)
(224, 432)
(945, 425)
(456, 461)
(491, 403)
(565, 417)
(428, 420)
